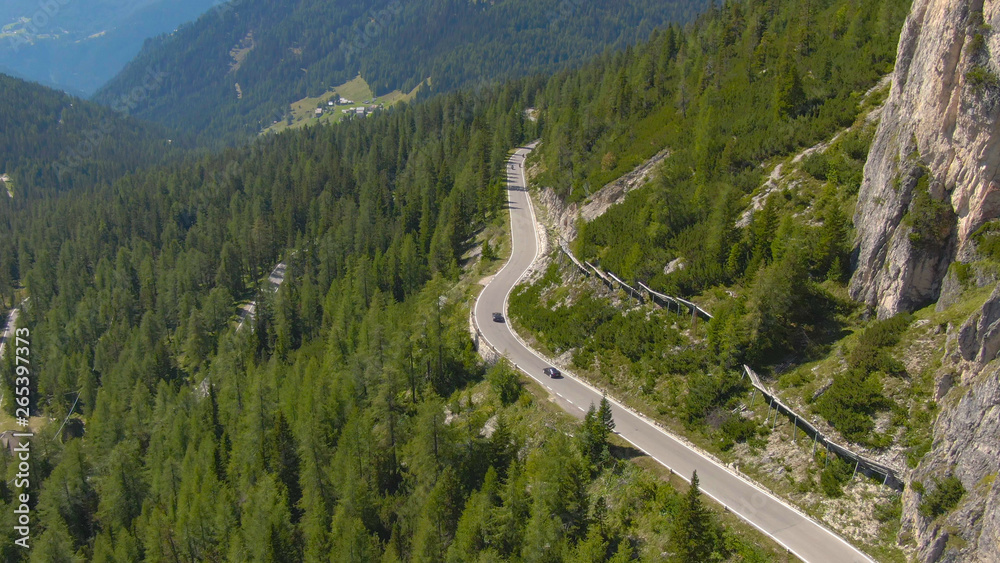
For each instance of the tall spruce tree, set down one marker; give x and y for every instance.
(696, 535)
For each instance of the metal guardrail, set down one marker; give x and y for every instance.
(612, 280)
(632, 291)
(868, 466)
(695, 309)
(861, 463)
(565, 249)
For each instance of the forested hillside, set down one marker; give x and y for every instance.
(354, 418)
(51, 141)
(748, 83)
(78, 46)
(278, 53)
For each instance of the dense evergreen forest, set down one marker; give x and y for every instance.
(354, 418)
(51, 141)
(748, 82)
(305, 48)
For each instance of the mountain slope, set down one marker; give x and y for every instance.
(909, 374)
(304, 49)
(78, 46)
(927, 232)
(52, 141)
(350, 420)
(932, 177)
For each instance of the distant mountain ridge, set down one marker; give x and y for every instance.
(52, 141)
(306, 48)
(78, 46)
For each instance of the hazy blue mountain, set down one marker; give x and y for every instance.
(78, 45)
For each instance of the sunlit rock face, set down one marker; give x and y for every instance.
(931, 176)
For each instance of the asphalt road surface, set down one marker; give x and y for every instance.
(8, 329)
(274, 279)
(799, 534)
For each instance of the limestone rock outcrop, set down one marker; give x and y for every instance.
(967, 445)
(979, 338)
(564, 217)
(931, 178)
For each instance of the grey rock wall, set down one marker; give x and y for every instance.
(940, 123)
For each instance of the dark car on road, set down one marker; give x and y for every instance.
(497, 317)
(552, 372)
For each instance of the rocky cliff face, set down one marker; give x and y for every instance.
(966, 445)
(931, 176)
(930, 182)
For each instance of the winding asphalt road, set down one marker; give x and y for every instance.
(799, 534)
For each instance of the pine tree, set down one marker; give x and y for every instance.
(489, 254)
(505, 383)
(592, 549)
(69, 502)
(696, 537)
(196, 344)
(352, 542)
(832, 247)
(598, 424)
(789, 95)
(605, 418)
(281, 457)
(230, 272)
